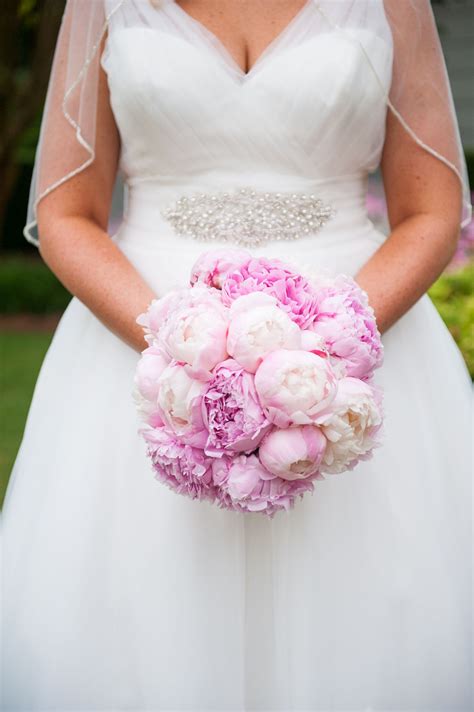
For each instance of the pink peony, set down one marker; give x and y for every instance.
(257, 381)
(352, 425)
(211, 268)
(243, 484)
(293, 453)
(346, 322)
(295, 386)
(157, 312)
(195, 331)
(150, 366)
(258, 326)
(179, 402)
(182, 468)
(160, 309)
(232, 412)
(294, 292)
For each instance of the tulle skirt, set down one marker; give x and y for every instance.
(121, 595)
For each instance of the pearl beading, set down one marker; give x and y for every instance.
(247, 216)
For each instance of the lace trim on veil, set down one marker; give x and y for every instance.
(30, 225)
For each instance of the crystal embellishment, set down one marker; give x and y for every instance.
(247, 216)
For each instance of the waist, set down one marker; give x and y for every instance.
(165, 257)
(257, 210)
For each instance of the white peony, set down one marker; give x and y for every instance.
(196, 332)
(179, 400)
(295, 387)
(257, 327)
(352, 425)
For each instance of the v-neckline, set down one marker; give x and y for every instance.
(244, 76)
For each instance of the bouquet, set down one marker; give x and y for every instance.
(257, 381)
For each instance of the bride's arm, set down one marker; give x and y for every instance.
(424, 195)
(424, 203)
(74, 243)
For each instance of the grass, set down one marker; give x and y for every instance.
(453, 296)
(21, 356)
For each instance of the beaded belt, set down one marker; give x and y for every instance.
(247, 216)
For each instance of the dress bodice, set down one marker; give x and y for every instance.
(307, 122)
(311, 107)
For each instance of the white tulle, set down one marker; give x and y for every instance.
(120, 594)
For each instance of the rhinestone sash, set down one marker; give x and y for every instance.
(247, 216)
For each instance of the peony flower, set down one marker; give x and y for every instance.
(346, 322)
(310, 341)
(293, 453)
(257, 381)
(293, 291)
(295, 386)
(145, 384)
(211, 268)
(179, 401)
(351, 425)
(243, 484)
(195, 332)
(160, 309)
(149, 368)
(181, 467)
(147, 412)
(157, 312)
(258, 326)
(232, 412)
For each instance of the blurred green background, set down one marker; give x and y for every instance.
(31, 297)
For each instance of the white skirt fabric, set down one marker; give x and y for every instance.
(121, 595)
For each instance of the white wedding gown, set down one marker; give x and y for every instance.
(120, 594)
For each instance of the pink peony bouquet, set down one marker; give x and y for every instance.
(257, 381)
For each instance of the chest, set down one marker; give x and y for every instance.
(179, 97)
(244, 29)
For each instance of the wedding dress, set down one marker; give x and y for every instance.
(120, 594)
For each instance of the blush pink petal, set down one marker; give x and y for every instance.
(244, 485)
(293, 453)
(346, 322)
(211, 268)
(294, 386)
(231, 411)
(181, 467)
(293, 291)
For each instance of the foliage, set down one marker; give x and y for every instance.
(21, 355)
(28, 33)
(26, 148)
(469, 153)
(28, 285)
(453, 296)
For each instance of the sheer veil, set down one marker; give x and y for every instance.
(420, 95)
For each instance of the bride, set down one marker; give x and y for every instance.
(120, 594)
